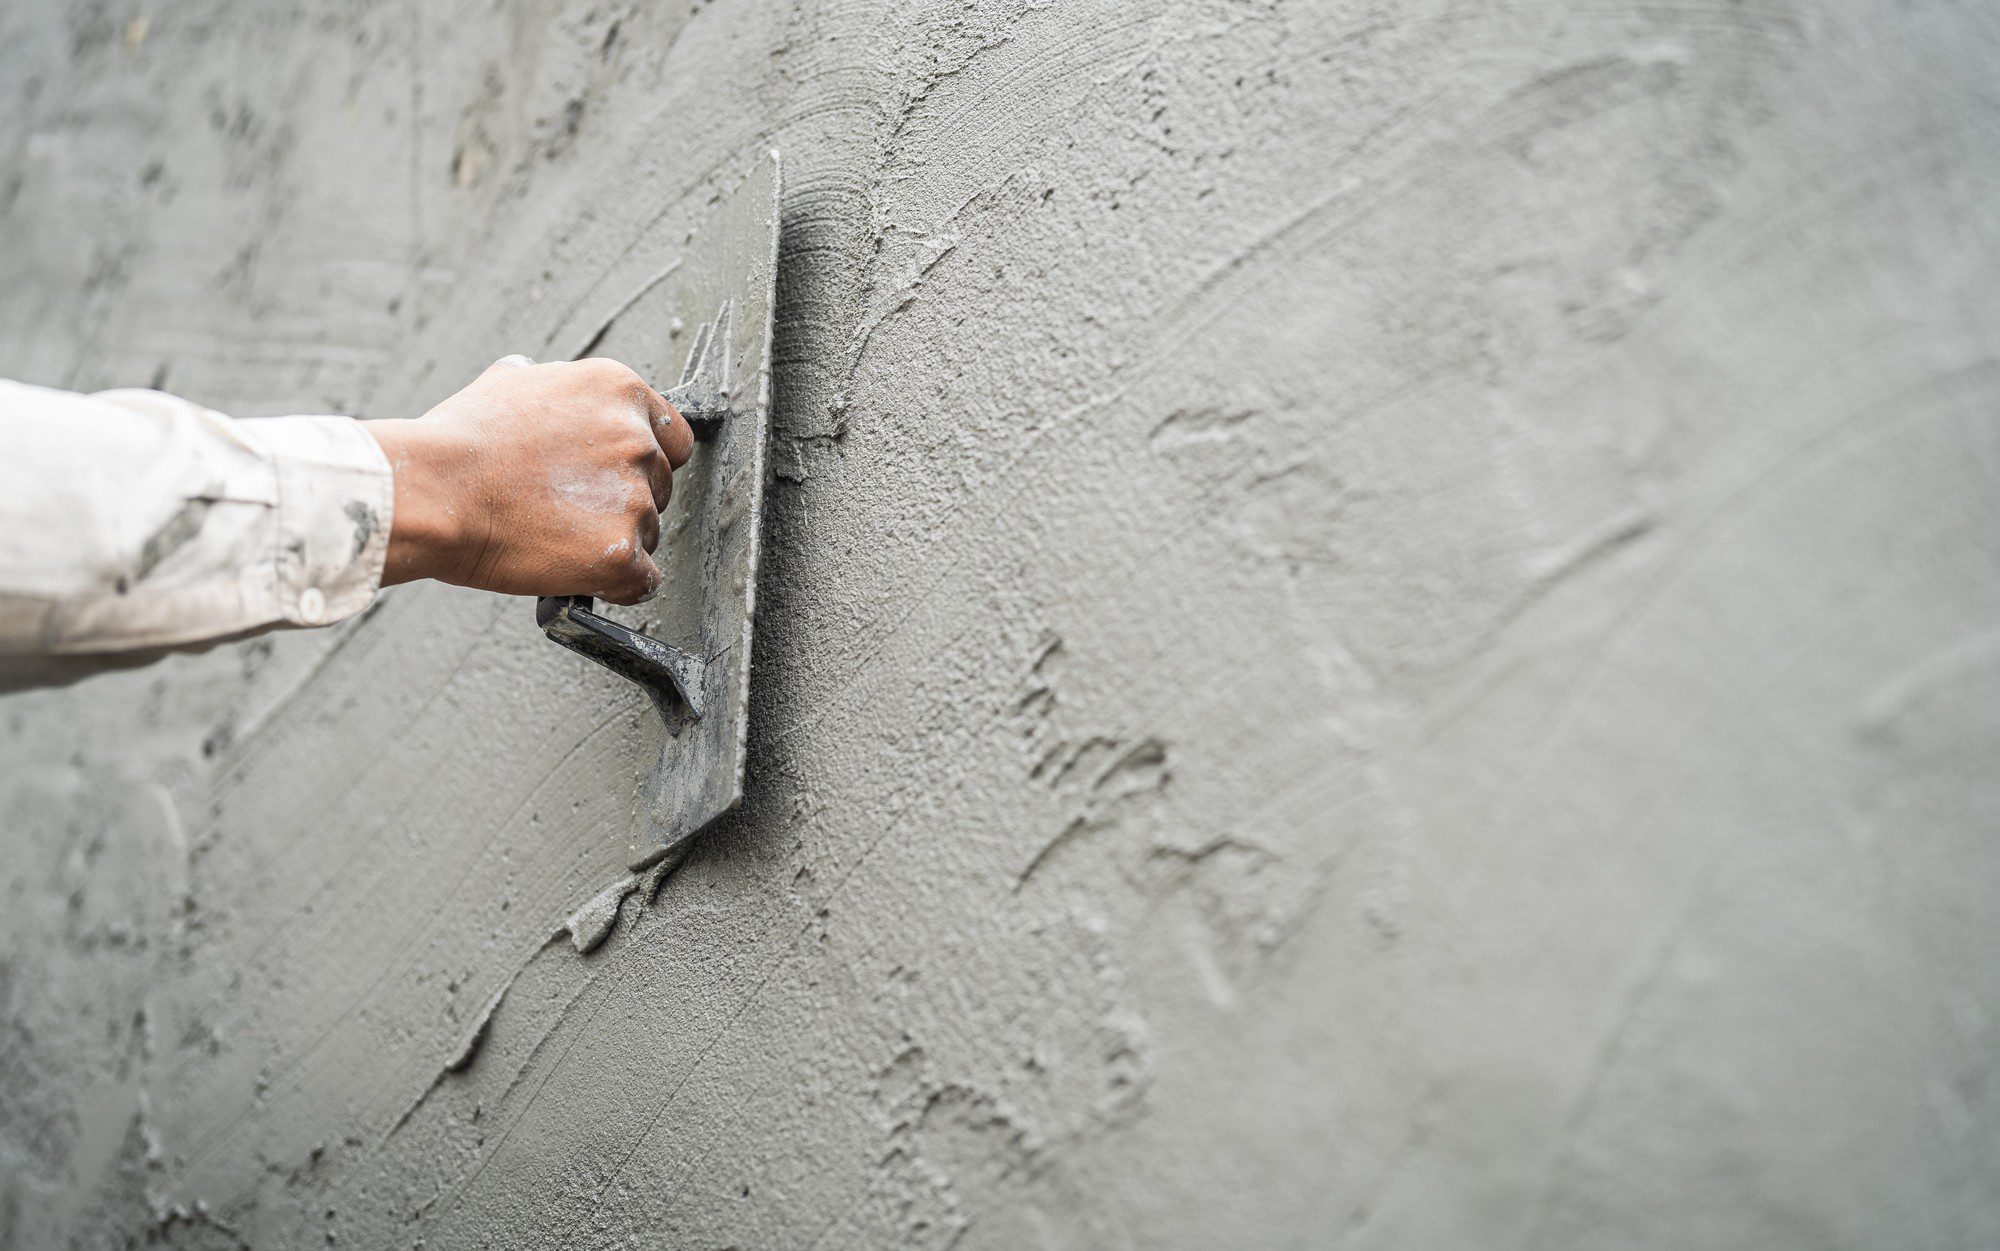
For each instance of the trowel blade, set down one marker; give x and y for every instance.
(716, 311)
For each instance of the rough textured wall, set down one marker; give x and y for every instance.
(1382, 630)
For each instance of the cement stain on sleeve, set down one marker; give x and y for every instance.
(175, 533)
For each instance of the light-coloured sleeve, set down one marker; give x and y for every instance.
(134, 521)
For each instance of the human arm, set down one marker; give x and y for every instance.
(536, 480)
(133, 521)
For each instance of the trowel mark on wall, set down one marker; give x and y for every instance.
(1949, 669)
(460, 1059)
(592, 923)
(943, 1136)
(586, 929)
(590, 342)
(1096, 775)
(1201, 425)
(1244, 897)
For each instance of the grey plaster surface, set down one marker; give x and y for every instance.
(1380, 628)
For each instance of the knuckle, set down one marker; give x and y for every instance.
(615, 375)
(624, 583)
(613, 557)
(640, 579)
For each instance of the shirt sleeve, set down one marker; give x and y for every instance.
(134, 521)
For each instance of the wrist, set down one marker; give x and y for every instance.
(426, 530)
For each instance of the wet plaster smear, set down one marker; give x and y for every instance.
(1381, 628)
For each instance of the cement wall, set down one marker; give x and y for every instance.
(1382, 629)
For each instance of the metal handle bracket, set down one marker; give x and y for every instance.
(671, 675)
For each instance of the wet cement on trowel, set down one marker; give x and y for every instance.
(1377, 630)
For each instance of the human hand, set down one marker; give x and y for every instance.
(536, 480)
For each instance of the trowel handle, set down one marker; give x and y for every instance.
(669, 674)
(549, 607)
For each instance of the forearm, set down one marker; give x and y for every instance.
(432, 536)
(132, 521)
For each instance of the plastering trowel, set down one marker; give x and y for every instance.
(723, 286)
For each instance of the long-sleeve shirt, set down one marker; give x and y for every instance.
(133, 522)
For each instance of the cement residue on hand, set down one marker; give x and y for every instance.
(604, 493)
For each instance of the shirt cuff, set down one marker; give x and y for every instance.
(335, 504)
